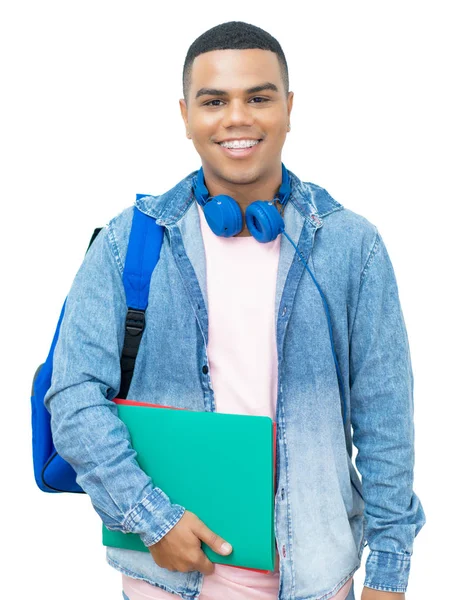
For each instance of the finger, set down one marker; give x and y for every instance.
(214, 541)
(206, 566)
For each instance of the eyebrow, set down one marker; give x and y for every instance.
(253, 90)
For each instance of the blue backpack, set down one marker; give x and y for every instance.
(52, 473)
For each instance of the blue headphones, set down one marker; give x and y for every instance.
(264, 222)
(224, 215)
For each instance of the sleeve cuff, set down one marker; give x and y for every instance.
(387, 571)
(153, 517)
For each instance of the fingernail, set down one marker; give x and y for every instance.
(226, 548)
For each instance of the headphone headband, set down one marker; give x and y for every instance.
(202, 195)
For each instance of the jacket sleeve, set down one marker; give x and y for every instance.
(86, 430)
(381, 392)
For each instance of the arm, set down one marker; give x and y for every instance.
(86, 377)
(381, 389)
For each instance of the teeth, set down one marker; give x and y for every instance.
(240, 144)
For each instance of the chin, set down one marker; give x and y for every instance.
(241, 174)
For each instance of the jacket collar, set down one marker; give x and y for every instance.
(311, 201)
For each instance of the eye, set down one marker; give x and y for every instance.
(260, 98)
(210, 101)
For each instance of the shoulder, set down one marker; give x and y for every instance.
(116, 234)
(348, 226)
(316, 203)
(344, 235)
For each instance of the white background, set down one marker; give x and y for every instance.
(90, 117)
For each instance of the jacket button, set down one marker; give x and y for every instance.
(205, 369)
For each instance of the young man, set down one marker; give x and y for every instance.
(236, 325)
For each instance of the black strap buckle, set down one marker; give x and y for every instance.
(135, 322)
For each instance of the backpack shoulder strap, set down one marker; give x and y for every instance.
(143, 252)
(94, 236)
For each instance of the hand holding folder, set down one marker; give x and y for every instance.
(220, 466)
(180, 549)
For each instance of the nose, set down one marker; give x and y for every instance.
(238, 113)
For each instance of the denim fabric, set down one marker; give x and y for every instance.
(324, 511)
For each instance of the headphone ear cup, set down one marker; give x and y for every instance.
(224, 216)
(264, 221)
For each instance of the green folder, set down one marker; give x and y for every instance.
(219, 466)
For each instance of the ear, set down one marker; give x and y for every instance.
(183, 107)
(290, 102)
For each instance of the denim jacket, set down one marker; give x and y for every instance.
(324, 512)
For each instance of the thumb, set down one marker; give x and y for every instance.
(216, 543)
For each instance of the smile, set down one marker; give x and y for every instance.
(241, 152)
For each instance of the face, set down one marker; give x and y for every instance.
(222, 105)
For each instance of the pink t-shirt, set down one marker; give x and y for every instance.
(242, 353)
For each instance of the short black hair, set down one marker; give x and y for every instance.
(233, 35)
